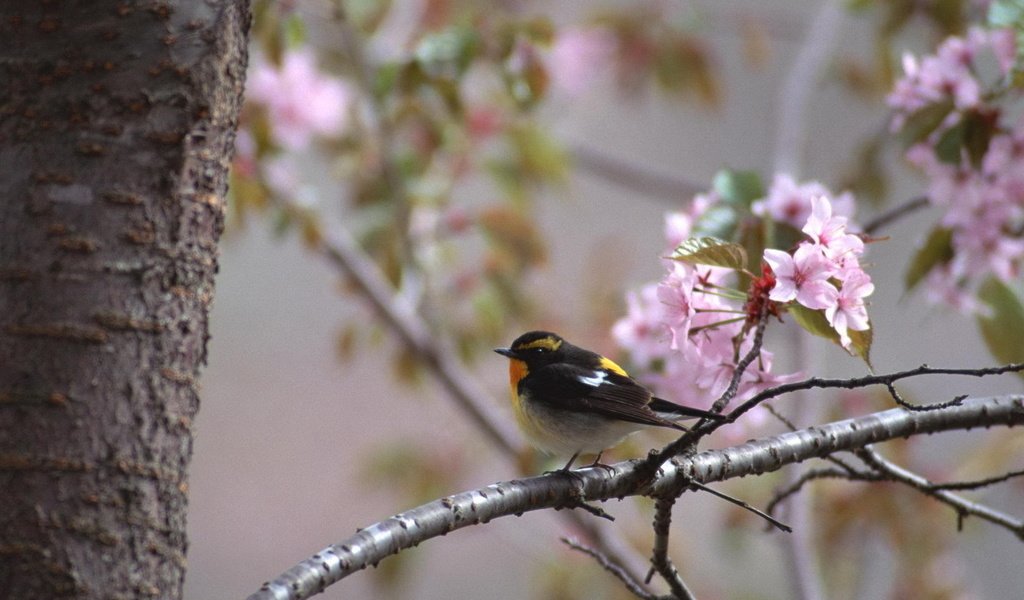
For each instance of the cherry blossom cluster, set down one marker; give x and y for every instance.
(951, 74)
(980, 183)
(681, 335)
(984, 214)
(685, 333)
(824, 272)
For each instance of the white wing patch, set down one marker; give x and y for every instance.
(596, 380)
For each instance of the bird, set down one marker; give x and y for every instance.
(572, 401)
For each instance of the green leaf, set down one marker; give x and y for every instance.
(539, 155)
(936, 250)
(711, 251)
(751, 235)
(719, 221)
(738, 187)
(952, 140)
(924, 121)
(386, 78)
(815, 322)
(1007, 13)
(538, 29)
(978, 133)
(785, 235)
(860, 343)
(1003, 328)
(294, 31)
(448, 53)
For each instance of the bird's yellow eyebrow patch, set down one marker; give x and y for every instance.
(609, 364)
(546, 343)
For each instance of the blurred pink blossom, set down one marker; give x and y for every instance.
(983, 201)
(942, 286)
(950, 73)
(578, 56)
(643, 330)
(301, 101)
(1004, 46)
(789, 202)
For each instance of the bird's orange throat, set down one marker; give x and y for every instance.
(517, 369)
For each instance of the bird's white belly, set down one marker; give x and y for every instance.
(562, 432)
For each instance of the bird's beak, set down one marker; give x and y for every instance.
(506, 352)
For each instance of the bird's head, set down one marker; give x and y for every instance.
(536, 348)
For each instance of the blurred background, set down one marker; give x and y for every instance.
(315, 421)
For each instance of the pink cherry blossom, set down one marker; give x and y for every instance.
(802, 277)
(301, 101)
(829, 231)
(849, 311)
(676, 295)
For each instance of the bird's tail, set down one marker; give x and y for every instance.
(673, 411)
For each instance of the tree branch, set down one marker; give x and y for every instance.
(633, 176)
(963, 507)
(344, 253)
(660, 561)
(440, 517)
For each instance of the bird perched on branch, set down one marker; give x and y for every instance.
(569, 400)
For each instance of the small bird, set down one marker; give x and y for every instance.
(569, 400)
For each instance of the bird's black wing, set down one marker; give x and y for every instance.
(572, 387)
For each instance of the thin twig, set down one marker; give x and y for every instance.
(740, 503)
(654, 460)
(660, 561)
(634, 586)
(741, 367)
(962, 506)
(894, 214)
(977, 483)
(344, 253)
(597, 511)
(869, 380)
(808, 476)
(898, 399)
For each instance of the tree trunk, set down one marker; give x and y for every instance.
(117, 123)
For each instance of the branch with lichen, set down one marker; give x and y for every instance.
(595, 484)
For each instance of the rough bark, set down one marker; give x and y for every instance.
(117, 122)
